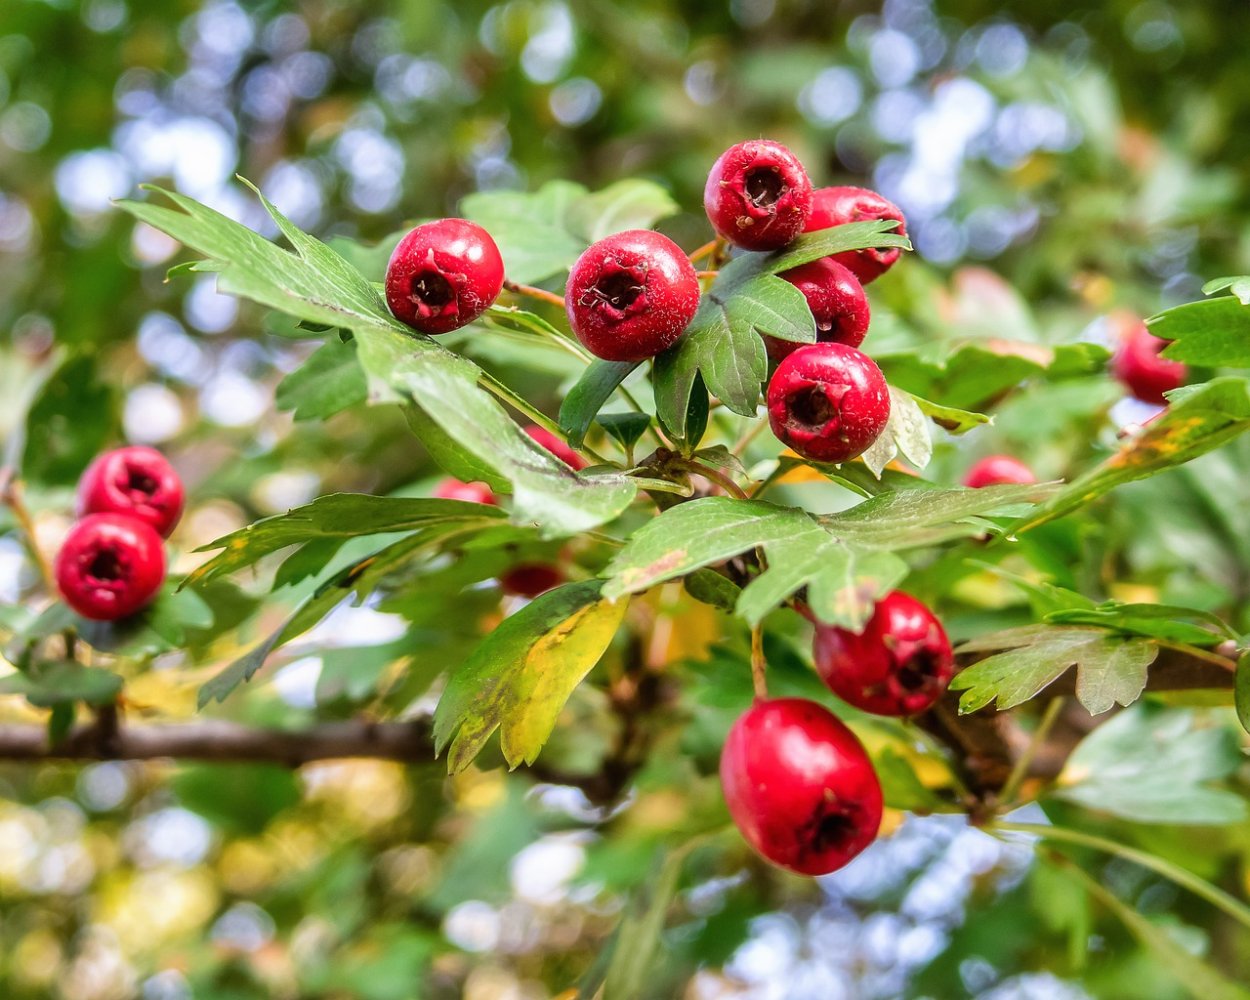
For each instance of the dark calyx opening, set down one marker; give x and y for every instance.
(138, 481)
(105, 565)
(764, 186)
(834, 830)
(918, 671)
(812, 407)
(432, 290)
(620, 289)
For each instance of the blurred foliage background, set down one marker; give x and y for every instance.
(1061, 170)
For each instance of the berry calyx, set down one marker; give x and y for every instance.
(456, 489)
(631, 295)
(561, 449)
(997, 470)
(110, 566)
(443, 275)
(800, 786)
(1141, 371)
(758, 195)
(135, 480)
(531, 579)
(828, 402)
(837, 301)
(836, 206)
(900, 664)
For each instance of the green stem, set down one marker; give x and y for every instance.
(1018, 772)
(521, 405)
(1198, 653)
(721, 480)
(1174, 873)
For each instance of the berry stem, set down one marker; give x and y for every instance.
(502, 392)
(1198, 654)
(720, 479)
(535, 293)
(1020, 769)
(758, 664)
(757, 426)
(706, 274)
(11, 497)
(707, 250)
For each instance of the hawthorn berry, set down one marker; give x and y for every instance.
(443, 275)
(631, 295)
(561, 449)
(837, 301)
(456, 489)
(900, 664)
(828, 402)
(800, 786)
(995, 470)
(758, 195)
(1141, 371)
(836, 206)
(531, 579)
(110, 566)
(135, 480)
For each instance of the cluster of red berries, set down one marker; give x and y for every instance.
(112, 562)
(799, 785)
(526, 579)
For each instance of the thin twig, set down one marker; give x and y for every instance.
(1021, 767)
(759, 665)
(706, 250)
(11, 497)
(519, 403)
(757, 428)
(535, 293)
(720, 479)
(1198, 653)
(706, 274)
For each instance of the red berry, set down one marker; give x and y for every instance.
(557, 447)
(995, 470)
(631, 295)
(828, 402)
(138, 481)
(455, 489)
(110, 566)
(836, 206)
(531, 579)
(1140, 369)
(800, 786)
(837, 301)
(900, 664)
(758, 195)
(443, 275)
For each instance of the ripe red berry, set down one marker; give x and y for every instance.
(995, 470)
(138, 481)
(758, 195)
(455, 489)
(1140, 369)
(837, 301)
(631, 295)
(800, 786)
(443, 275)
(531, 579)
(110, 566)
(899, 665)
(557, 447)
(836, 206)
(828, 402)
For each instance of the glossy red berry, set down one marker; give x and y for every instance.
(758, 195)
(110, 566)
(455, 489)
(631, 295)
(800, 786)
(996, 470)
(828, 402)
(899, 665)
(443, 275)
(136, 480)
(531, 579)
(836, 206)
(556, 446)
(1141, 371)
(837, 301)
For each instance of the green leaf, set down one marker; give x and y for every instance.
(627, 204)
(1111, 669)
(949, 418)
(1155, 621)
(1152, 764)
(158, 628)
(1241, 690)
(1214, 333)
(845, 560)
(329, 382)
(588, 395)
(625, 428)
(906, 431)
(521, 675)
(73, 418)
(1199, 419)
(63, 682)
(337, 516)
(1239, 285)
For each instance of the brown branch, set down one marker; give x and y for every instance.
(11, 496)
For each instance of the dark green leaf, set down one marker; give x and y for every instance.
(587, 397)
(329, 382)
(72, 419)
(63, 681)
(625, 428)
